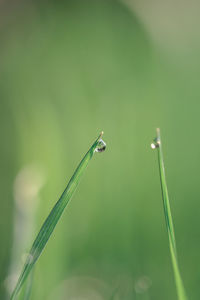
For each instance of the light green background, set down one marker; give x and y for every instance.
(68, 71)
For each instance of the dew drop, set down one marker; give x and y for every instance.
(155, 144)
(101, 146)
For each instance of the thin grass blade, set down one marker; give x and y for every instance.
(55, 214)
(28, 286)
(168, 218)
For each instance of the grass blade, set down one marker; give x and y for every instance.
(55, 214)
(28, 286)
(168, 218)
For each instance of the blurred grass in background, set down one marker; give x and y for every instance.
(69, 70)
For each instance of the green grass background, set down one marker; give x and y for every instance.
(69, 70)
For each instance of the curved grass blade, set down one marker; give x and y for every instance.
(168, 218)
(55, 214)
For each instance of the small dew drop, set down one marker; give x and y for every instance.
(101, 146)
(155, 144)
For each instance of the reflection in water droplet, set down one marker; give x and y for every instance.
(101, 146)
(155, 144)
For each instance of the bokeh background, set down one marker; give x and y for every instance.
(69, 69)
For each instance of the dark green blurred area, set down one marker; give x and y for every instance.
(69, 70)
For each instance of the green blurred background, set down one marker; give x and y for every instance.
(69, 69)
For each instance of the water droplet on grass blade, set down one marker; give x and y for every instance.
(101, 146)
(155, 144)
